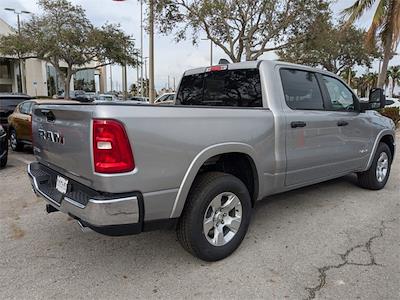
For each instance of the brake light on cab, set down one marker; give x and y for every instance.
(112, 152)
(217, 68)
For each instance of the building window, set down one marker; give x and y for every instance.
(5, 69)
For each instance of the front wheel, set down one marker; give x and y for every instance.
(216, 216)
(377, 175)
(3, 161)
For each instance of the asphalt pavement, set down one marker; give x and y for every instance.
(329, 241)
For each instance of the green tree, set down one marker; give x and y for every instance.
(349, 76)
(385, 25)
(333, 47)
(63, 35)
(242, 29)
(394, 73)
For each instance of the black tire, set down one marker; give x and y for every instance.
(369, 179)
(15, 144)
(190, 226)
(3, 161)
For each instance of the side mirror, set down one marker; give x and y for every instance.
(377, 98)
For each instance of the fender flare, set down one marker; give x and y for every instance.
(376, 143)
(196, 164)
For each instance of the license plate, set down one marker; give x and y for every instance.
(62, 184)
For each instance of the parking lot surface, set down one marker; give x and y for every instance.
(328, 241)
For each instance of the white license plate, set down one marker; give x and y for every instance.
(62, 184)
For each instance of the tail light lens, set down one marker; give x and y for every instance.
(112, 152)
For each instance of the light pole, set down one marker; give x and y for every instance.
(125, 74)
(211, 50)
(145, 76)
(141, 48)
(19, 12)
(111, 79)
(151, 51)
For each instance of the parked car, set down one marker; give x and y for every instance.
(8, 102)
(77, 95)
(3, 147)
(167, 98)
(106, 97)
(20, 122)
(139, 99)
(237, 133)
(392, 102)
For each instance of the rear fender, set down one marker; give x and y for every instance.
(196, 164)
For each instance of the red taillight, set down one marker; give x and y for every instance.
(112, 152)
(217, 68)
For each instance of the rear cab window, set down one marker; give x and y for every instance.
(224, 88)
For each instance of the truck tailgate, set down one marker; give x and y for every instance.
(62, 138)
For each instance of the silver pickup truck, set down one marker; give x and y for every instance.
(236, 134)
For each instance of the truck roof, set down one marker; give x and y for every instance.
(255, 64)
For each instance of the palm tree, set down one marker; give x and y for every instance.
(385, 24)
(367, 81)
(394, 74)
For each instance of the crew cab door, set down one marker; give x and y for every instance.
(314, 145)
(354, 130)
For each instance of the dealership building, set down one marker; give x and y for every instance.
(39, 78)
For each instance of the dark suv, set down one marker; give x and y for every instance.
(3, 147)
(8, 102)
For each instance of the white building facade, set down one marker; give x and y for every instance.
(39, 78)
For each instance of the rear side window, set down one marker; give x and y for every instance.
(25, 108)
(301, 90)
(229, 88)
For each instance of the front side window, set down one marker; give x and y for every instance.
(301, 90)
(227, 88)
(341, 97)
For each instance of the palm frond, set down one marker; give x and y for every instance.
(355, 11)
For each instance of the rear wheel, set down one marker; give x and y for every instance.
(377, 175)
(216, 216)
(16, 145)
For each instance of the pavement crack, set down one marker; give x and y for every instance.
(345, 261)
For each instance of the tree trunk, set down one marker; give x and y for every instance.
(67, 84)
(393, 86)
(387, 55)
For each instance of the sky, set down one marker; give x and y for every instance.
(171, 58)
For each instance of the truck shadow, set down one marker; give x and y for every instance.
(151, 247)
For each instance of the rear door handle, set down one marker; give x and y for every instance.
(296, 124)
(342, 123)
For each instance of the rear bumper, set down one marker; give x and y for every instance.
(99, 211)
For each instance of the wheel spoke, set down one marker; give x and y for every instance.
(230, 203)
(216, 203)
(218, 239)
(208, 225)
(233, 223)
